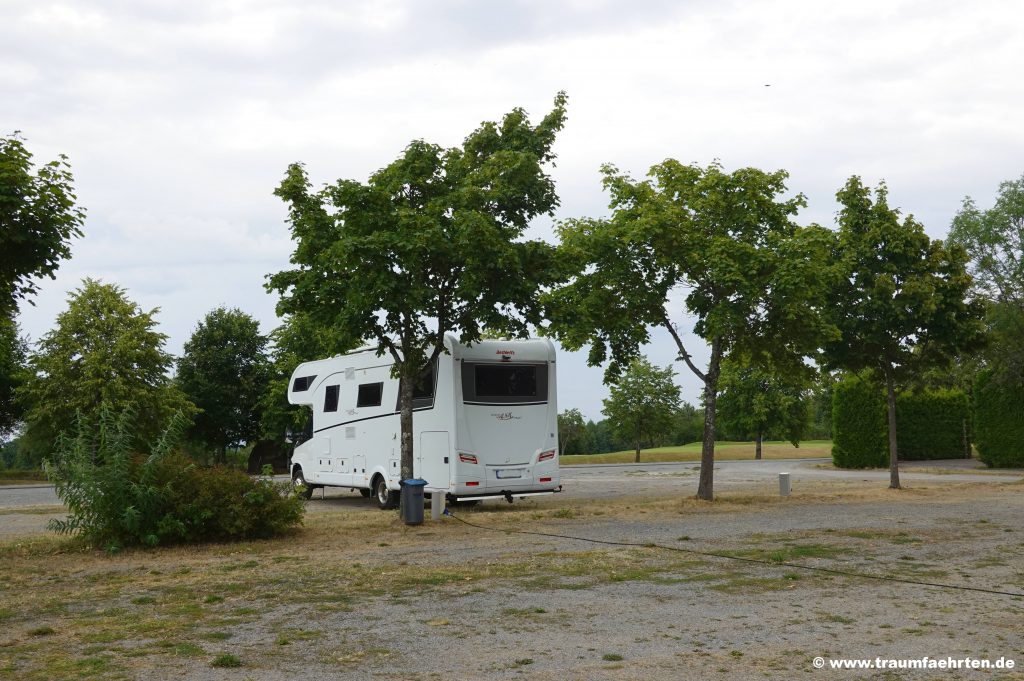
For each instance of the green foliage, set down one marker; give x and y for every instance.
(687, 427)
(999, 421)
(13, 353)
(994, 239)
(38, 219)
(821, 407)
(750, 272)
(224, 371)
(859, 429)
(432, 243)
(570, 431)
(755, 401)
(116, 498)
(901, 303)
(754, 280)
(643, 403)
(104, 350)
(932, 424)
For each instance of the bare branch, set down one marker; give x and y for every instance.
(683, 354)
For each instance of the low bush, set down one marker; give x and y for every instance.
(117, 498)
(999, 420)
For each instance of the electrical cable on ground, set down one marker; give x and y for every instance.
(712, 554)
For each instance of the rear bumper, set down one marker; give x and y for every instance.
(507, 495)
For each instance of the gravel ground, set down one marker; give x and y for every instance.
(715, 619)
(595, 611)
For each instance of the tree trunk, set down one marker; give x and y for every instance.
(757, 446)
(706, 486)
(405, 390)
(637, 459)
(223, 455)
(890, 399)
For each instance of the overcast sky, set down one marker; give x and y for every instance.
(180, 117)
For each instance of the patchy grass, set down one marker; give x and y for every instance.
(724, 451)
(141, 610)
(33, 510)
(226, 660)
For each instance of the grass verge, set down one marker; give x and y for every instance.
(724, 451)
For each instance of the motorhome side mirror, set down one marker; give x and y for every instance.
(289, 436)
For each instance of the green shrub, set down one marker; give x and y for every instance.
(859, 430)
(932, 424)
(117, 498)
(999, 421)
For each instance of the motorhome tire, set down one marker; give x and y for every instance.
(386, 499)
(300, 482)
(365, 493)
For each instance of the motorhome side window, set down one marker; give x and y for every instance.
(505, 383)
(302, 383)
(331, 398)
(369, 395)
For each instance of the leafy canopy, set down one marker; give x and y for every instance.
(726, 240)
(757, 401)
(994, 240)
(901, 303)
(431, 243)
(38, 219)
(643, 403)
(104, 350)
(224, 371)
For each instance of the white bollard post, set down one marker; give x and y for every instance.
(784, 487)
(436, 505)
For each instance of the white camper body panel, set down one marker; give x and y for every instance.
(490, 429)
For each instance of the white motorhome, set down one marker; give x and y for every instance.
(485, 422)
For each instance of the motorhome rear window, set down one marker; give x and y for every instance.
(369, 395)
(331, 398)
(302, 383)
(505, 383)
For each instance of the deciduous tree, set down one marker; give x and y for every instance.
(643, 403)
(431, 244)
(570, 428)
(104, 350)
(756, 401)
(901, 303)
(994, 240)
(224, 371)
(38, 218)
(725, 243)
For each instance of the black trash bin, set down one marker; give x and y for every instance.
(412, 501)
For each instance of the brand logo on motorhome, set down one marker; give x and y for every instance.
(506, 353)
(506, 416)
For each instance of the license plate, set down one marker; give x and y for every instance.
(505, 475)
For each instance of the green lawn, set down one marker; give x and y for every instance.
(724, 451)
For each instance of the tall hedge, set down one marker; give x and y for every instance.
(931, 424)
(999, 421)
(859, 431)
